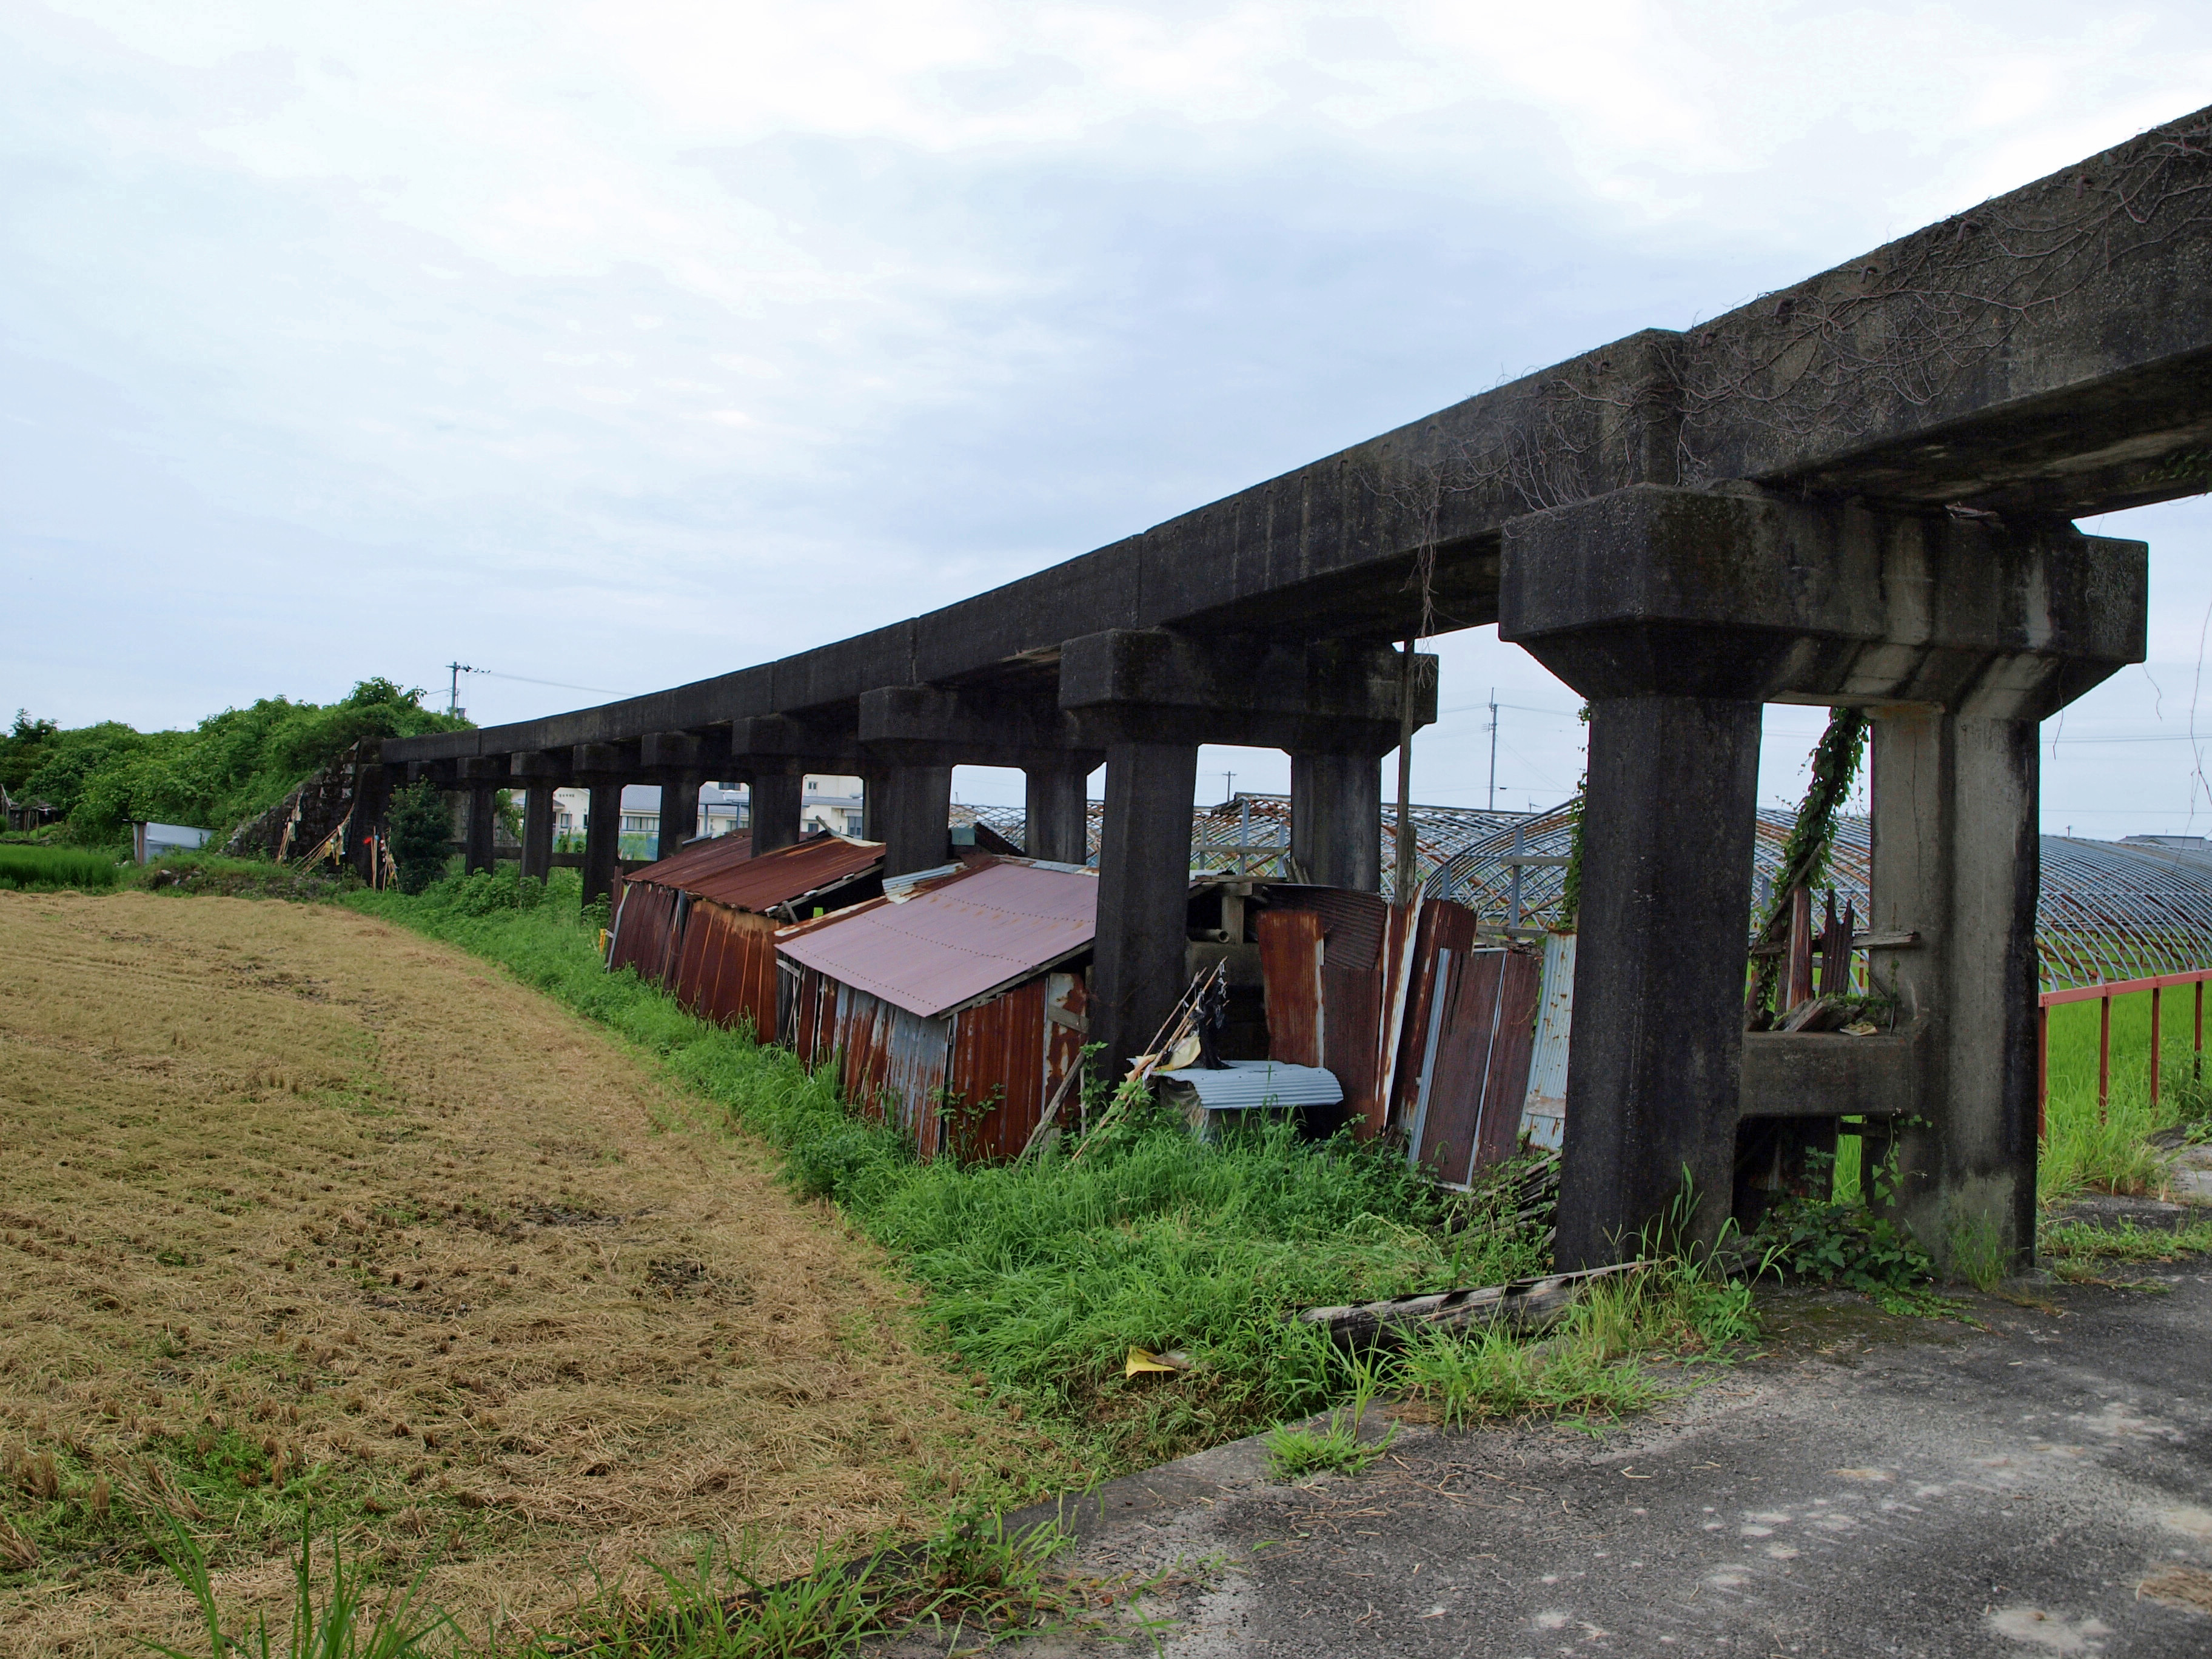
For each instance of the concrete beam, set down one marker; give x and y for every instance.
(1151, 685)
(2044, 353)
(1791, 1075)
(1751, 595)
(539, 766)
(939, 726)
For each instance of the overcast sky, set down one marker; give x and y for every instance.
(619, 345)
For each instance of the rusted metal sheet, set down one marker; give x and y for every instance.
(644, 930)
(699, 859)
(1443, 928)
(1354, 928)
(1544, 1108)
(1290, 952)
(967, 938)
(895, 1064)
(791, 878)
(1478, 1076)
(993, 1089)
(725, 968)
(1067, 1027)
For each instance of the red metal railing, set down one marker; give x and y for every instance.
(2103, 995)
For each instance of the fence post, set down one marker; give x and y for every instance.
(2153, 1049)
(2104, 1053)
(2196, 1066)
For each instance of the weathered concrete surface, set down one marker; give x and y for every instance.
(1871, 1486)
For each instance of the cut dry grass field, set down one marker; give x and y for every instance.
(293, 1201)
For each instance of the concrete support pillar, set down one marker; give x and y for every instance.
(873, 782)
(1336, 819)
(777, 796)
(1144, 884)
(1056, 814)
(679, 812)
(602, 840)
(538, 831)
(1655, 1084)
(913, 823)
(1955, 861)
(482, 834)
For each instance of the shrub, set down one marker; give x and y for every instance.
(420, 825)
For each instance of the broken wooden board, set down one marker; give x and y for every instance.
(1526, 1306)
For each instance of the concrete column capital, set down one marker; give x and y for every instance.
(1153, 685)
(1656, 590)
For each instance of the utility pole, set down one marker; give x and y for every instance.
(1493, 749)
(453, 692)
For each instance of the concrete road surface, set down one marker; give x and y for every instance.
(1870, 1486)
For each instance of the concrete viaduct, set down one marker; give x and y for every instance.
(1857, 490)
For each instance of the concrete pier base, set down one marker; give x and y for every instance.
(1336, 803)
(1056, 822)
(1144, 884)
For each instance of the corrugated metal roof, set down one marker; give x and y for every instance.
(786, 875)
(1245, 1084)
(716, 852)
(953, 943)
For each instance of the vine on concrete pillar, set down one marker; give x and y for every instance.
(1836, 762)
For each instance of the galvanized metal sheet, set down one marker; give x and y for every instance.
(1544, 1109)
(987, 928)
(1250, 1084)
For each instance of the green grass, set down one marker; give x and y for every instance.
(1041, 1278)
(974, 1579)
(2085, 1150)
(28, 867)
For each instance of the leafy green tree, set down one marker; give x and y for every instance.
(419, 825)
(226, 769)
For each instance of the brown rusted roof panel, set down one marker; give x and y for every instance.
(714, 853)
(957, 941)
(761, 883)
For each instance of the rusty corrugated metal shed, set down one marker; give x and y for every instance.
(783, 876)
(955, 942)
